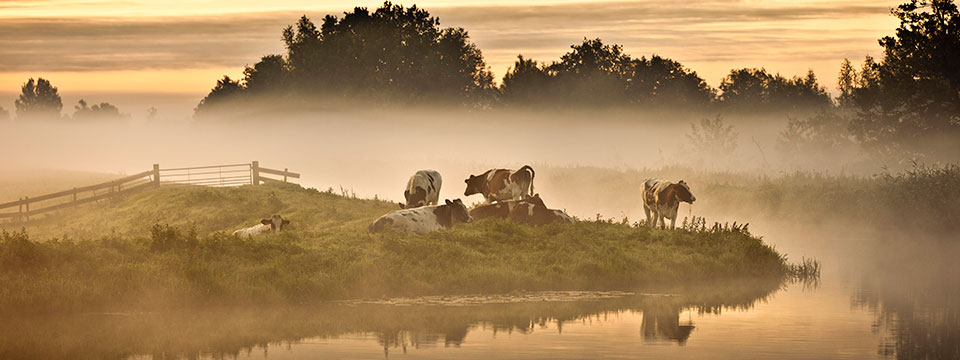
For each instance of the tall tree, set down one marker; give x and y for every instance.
(224, 97)
(912, 95)
(39, 100)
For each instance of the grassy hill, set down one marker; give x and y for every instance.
(171, 247)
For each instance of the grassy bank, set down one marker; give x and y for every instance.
(171, 247)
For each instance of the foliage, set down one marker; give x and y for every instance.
(38, 100)
(713, 139)
(391, 55)
(598, 74)
(819, 135)
(102, 111)
(757, 90)
(911, 98)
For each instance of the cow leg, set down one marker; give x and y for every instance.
(673, 223)
(646, 210)
(663, 221)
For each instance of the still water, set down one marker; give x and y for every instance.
(872, 301)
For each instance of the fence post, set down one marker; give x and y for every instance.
(74, 197)
(284, 174)
(20, 217)
(156, 175)
(255, 173)
(27, 217)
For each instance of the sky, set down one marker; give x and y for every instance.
(168, 54)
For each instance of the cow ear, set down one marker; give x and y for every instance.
(401, 205)
(449, 202)
(265, 221)
(286, 222)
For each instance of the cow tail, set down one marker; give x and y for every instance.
(532, 174)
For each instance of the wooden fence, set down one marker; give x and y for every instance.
(21, 210)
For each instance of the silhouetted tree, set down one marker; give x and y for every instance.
(102, 111)
(913, 94)
(665, 82)
(526, 82)
(226, 95)
(594, 73)
(395, 52)
(757, 90)
(38, 100)
(267, 76)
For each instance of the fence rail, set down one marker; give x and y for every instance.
(18, 212)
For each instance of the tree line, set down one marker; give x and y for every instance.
(40, 100)
(399, 55)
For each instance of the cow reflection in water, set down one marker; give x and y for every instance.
(663, 323)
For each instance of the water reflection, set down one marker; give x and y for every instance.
(916, 302)
(221, 332)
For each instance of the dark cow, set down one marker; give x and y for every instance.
(661, 199)
(502, 209)
(274, 223)
(501, 184)
(531, 213)
(423, 219)
(423, 189)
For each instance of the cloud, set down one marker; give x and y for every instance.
(712, 31)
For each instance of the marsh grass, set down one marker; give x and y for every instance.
(924, 197)
(169, 248)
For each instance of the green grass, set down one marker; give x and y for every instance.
(171, 247)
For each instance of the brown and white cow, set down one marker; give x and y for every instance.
(274, 223)
(423, 189)
(501, 184)
(502, 209)
(661, 199)
(423, 219)
(536, 213)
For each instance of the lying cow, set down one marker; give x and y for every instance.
(661, 199)
(501, 184)
(502, 209)
(274, 223)
(536, 213)
(423, 189)
(423, 219)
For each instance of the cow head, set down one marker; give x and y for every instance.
(276, 223)
(458, 211)
(684, 193)
(474, 185)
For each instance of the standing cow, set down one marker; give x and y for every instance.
(423, 219)
(423, 189)
(661, 199)
(501, 184)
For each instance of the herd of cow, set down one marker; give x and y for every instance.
(508, 194)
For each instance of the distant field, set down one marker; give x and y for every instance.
(172, 247)
(17, 184)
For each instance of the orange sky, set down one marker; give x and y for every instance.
(183, 47)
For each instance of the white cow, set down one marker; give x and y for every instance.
(423, 189)
(423, 219)
(274, 223)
